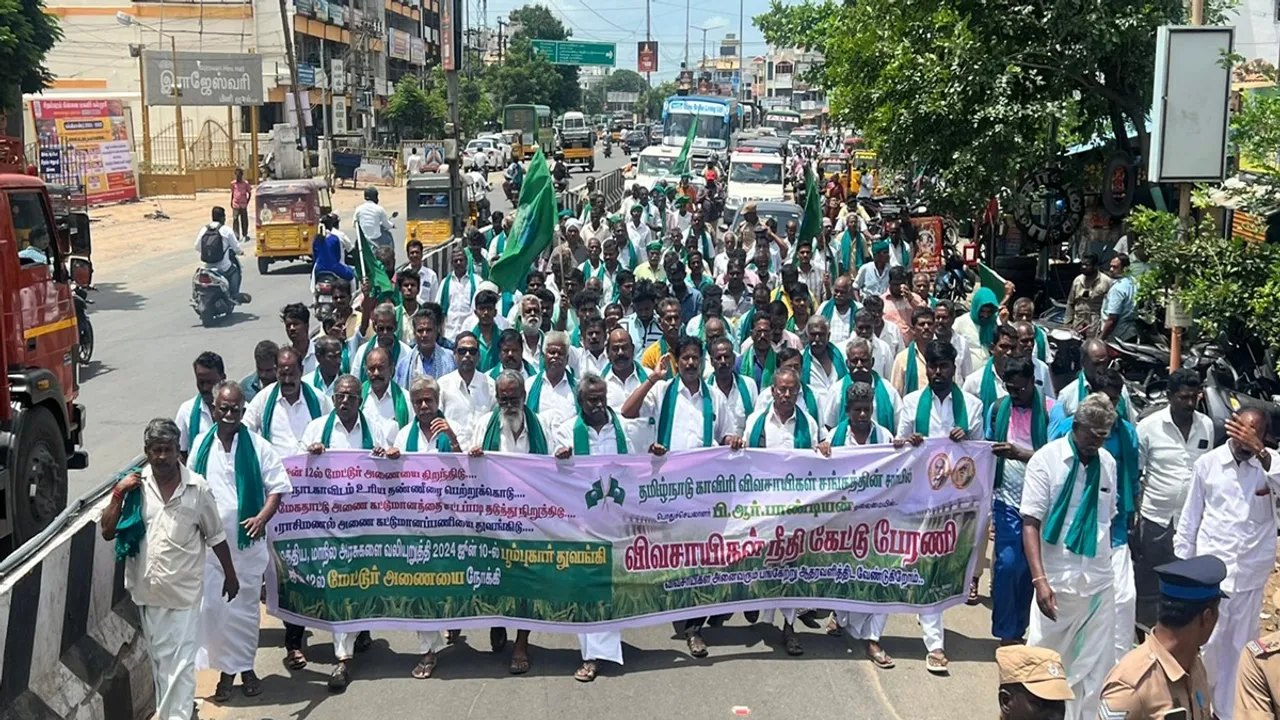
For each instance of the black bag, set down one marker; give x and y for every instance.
(212, 248)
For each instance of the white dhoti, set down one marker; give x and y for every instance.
(931, 628)
(601, 646)
(1126, 594)
(172, 644)
(1084, 635)
(344, 645)
(789, 615)
(430, 641)
(229, 630)
(1237, 625)
(862, 626)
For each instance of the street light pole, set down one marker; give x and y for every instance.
(146, 111)
(686, 34)
(297, 88)
(177, 107)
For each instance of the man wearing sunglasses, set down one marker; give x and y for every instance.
(1094, 354)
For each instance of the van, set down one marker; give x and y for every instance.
(752, 177)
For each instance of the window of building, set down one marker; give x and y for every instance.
(769, 66)
(783, 68)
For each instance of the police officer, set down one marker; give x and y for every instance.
(1258, 680)
(1033, 684)
(1165, 672)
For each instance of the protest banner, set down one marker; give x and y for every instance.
(436, 541)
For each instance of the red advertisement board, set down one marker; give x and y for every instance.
(647, 56)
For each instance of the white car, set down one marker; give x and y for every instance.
(499, 142)
(753, 177)
(492, 154)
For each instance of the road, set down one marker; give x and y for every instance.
(147, 336)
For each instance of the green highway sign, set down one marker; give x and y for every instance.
(572, 52)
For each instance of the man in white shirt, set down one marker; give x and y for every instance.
(839, 310)
(456, 293)
(512, 428)
(281, 412)
(886, 331)
(330, 352)
(164, 550)
(594, 429)
(384, 398)
(1169, 444)
(222, 259)
(882, 354)
(551, 392)
(297, 327)
(428, 433)
(1068, 549)
(593, 357)
(229, 630)
(1093, 353)
(859, 366)
(940, 409)
(944, 314)
(823, 362)
(638, 234)
(738, 393)
(372, 220)
(466, 394)
(347, 428)
(196, 414)
(385, 328)
(1027, 348)
(873, 277)
(1230, 514)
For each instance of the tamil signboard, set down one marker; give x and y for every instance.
(622, 98)
(572, 52)
(206, 79)
(647, 56)
(339, 115)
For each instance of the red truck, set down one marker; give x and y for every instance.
(41, 423)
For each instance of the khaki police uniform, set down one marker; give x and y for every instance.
(1258, 680)
(1149, 681)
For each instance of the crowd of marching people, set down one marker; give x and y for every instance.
(651, 330)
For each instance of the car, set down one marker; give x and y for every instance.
(636, 139)
(487, 147)
(503, 147)
(655, 134)
(782, 212)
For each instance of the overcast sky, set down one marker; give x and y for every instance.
(623, 23)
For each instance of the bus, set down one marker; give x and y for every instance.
(715, 123)
(784, 121)
(533, 122)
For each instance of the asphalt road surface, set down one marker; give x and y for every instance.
(147, 336)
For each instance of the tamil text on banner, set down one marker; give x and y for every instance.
(599, 542)
(85, 144)
(204, 78)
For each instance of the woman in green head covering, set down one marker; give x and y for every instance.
(979, 326)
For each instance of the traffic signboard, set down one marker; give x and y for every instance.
(572, 52)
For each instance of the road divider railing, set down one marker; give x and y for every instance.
(70, 635)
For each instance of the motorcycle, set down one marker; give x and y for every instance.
(323, 300)
(608, 149)
(84, 346)
(211, 295)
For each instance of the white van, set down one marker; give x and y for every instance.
(753, 177)
(654, 163)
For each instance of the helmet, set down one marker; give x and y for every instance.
(371, 194)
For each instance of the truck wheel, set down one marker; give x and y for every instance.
(263, 265)
(84, 351)
(40, 476)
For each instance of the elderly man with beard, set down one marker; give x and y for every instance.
(687, 415)
(196, 415)
(428, 433)
(512, 428)
(859, 427)
(346, 428)
(244, 473)
(782, 424)
(551, 392)
(281, 412)
(1026, 348)
(383, 397)
(738, 393)
(823, 365)
(595, 430)
(330, 357)
(466, 394)
(909, 367)
(385, 327)
(1018, 424)
(882, 353)
(530, 329)
(859, 367)
(940, 409)
(1094, 354)
(161, 520)
(1068, 501)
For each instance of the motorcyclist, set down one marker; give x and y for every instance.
(560, 171)
(328, 248)
(222, 260)
(373, 220)
(514, 179)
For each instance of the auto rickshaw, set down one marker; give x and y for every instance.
(428, 216)
(865, 161)
(837, 165)
(288, 218)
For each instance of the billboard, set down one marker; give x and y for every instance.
(647, 56)
(447, 58)
(86, 141)
(206, 79)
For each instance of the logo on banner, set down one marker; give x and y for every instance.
(939, 470)
(597, 494)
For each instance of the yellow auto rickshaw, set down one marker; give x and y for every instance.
(837, 165)
(289, 214)
(866, 161)
(428, 215)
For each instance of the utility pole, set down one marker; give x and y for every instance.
(648, 76)
(177, 106)
(456, 212)
(686, 34)
(1184, 218)
(501, 38)
(742, 41)
(297, 89)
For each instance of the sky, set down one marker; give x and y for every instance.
(622, 22)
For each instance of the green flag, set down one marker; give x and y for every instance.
(532, 229)
(811, 221)
(991, 280)
(681, 165)
(370, 268)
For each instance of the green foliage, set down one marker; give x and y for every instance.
(1255, 130)
(650, 104)
(523, 77)
(538, 23)
(1230, 286)
(414, 112)
(27, 34)
(967, 88)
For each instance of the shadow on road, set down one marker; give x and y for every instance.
(232, 320)
(295, 268)
(113, 296)
(94, 369)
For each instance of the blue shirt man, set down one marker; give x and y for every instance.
(1119, 307)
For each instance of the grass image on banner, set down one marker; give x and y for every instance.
(370, 268)
(811, 221)
(533, 228)
(681, 165)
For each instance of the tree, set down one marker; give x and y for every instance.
(650, 104)
(27, 34)
(624, 80)
(537, 23)
(523, 77)
(968, 89)
(415, 112)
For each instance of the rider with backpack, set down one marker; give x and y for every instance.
(218, 248)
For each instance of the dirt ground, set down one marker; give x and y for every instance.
(1269, 620)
